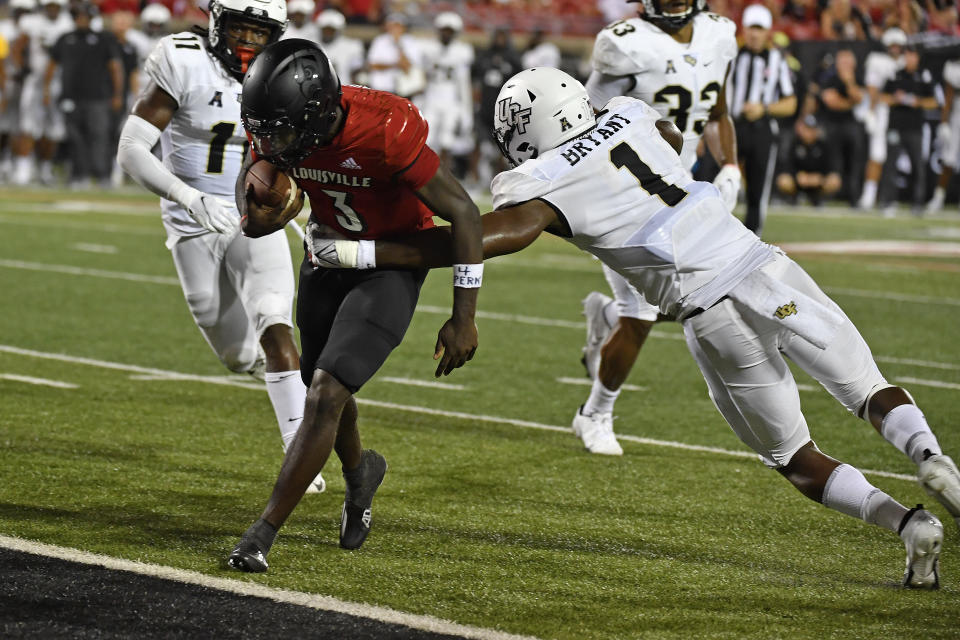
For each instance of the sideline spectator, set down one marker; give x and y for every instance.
(394, 60)
(842, 21)
(540, 52)
(345, 54)
(948, 134)
(448, 102)
(809, 166)
(493, 66)
(881, 66)
(10, 103)
(300, 14)
(154, 20)
(358, 11)
(840, 95)
(759, 90)
(91, 94)
(909, 94)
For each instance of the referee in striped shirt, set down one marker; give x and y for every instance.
(759, 91)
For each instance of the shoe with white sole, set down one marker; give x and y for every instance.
(361, 485)
(596, 431)
(318, 485)
(597, 330)
(922, 534)
(939, 477)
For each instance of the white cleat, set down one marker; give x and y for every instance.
(597, 330)
(939, 477)
(318, 485)
(922, 534)
(935, 205)
(596, 431)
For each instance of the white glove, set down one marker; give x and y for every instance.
(728, 183)
(211, 213)
(944, 133)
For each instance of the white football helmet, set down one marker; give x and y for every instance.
(23, 5)
(301, 6)
(331, 18)
(537, 110)
(155, 13)
(272, 13)
(448, 20)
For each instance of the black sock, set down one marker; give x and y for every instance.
(262, 533)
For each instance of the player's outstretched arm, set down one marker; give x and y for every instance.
(150, 115)
(457, 340)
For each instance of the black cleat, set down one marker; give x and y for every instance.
(362, 484)
(248, 557)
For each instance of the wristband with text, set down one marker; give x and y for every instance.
(468, 276)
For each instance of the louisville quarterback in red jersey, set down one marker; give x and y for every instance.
(363, 184)
(361, 157)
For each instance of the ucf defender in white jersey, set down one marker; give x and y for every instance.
(616, 188)
(675, 58)
(448, 100)
(239, 290)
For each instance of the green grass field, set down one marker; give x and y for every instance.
(481, 519)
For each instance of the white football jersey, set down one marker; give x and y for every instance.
(346, 55)
(627, 199)
(682, 81)
(951, 73)
(878, 68)
(448, 73)
(43, 34)
(545, 54)
(308, 31)
(204, 143)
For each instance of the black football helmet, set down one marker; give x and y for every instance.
(669, 22)
(289, 101)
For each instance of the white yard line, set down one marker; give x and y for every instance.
(897, 297)
(38, 381)
(156, 232)
(246, 588)
(430, 384)
(80, 271)
(919, 363)
(929, 383)
(526, 424)
(587, 382)
(94, 248)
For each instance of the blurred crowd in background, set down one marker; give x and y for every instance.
(73, 67)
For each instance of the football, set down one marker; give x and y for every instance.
(271, 186)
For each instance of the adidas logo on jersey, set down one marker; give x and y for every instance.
(350, 163)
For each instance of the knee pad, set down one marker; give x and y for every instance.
(272, 308)
(238, 358)
(865, 410)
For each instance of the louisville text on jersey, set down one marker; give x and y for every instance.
(330, 177)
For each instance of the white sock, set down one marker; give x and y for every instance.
(601, 399)
(610, 313)
(288, 396)
(848, 492)
(869, 195)
(22, 169)
(905, 428)
(939, 194)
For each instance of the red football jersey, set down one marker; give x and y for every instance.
(362, 184)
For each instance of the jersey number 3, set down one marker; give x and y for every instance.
(347, 218)
(623, 155)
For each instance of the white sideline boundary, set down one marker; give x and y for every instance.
(244, 588)
(526, 424)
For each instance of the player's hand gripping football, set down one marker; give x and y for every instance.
(212, 213)
(278, 216)
(456, 344)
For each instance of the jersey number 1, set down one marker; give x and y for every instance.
(623, 155)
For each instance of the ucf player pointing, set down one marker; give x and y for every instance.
(674, 57)
(239, 290)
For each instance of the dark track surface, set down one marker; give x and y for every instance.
(44, 597)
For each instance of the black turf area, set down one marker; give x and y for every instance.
(44, 597)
